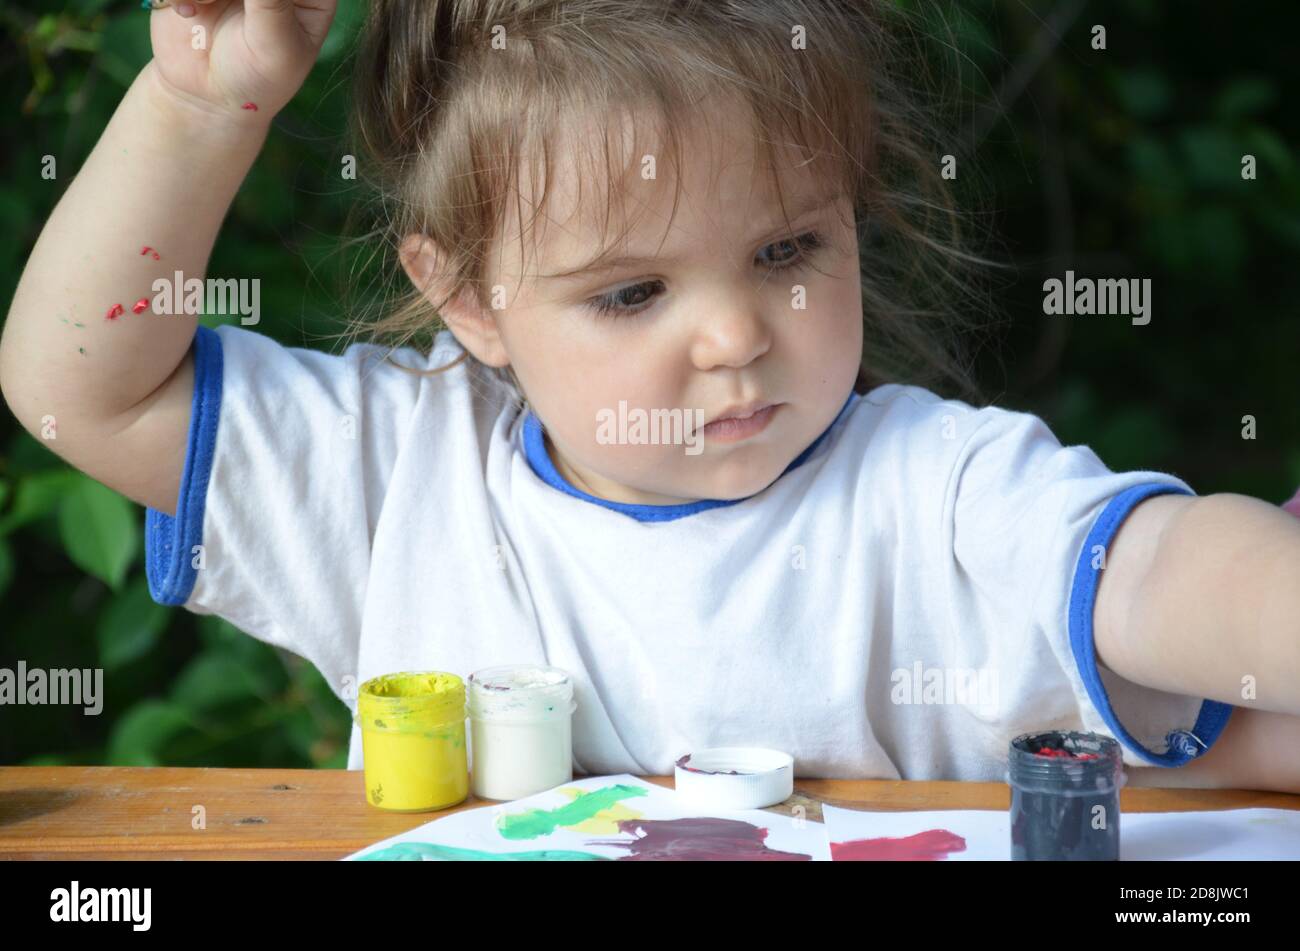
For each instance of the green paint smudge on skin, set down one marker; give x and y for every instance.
(535, 822)
(82, 351)
(78, 324)
(419, 851)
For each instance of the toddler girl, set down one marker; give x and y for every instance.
(692, 272)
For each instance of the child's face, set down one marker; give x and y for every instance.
(705, 322)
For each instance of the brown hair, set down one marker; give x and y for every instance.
(451, 95)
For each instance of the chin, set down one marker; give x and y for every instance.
(737, 480)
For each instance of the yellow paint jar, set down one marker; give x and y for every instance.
(413, 741)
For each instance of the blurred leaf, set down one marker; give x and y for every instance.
(1144, 93)
(1152, 165)
(50, 759)
(1268, 148)
(37, 496)
(6, 566)
(1213, 156)
(301, 729)
(211, 681)
(139, 738)
(27, 454)
(1218, 239)
(126, 46)
(15, 215)
(1293, 472)
(336, 760)
(90, 7)
(45, 29)
(1282, 224)
(348, 19)
(1244, 96)
(1167, 241)
(1135, 438)
(259, 660)
(99, 530)
(130, 626)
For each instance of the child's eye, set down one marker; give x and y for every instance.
(625, 300)
(634, 298)
(792, 251)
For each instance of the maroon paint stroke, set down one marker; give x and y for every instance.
(684, 763)
(928, 846)
(699, 839)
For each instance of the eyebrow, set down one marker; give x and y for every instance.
(603, 263)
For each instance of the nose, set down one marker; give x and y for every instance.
(730, 330)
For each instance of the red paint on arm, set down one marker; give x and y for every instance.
(114, 312)
(250, 106)
(140, 306)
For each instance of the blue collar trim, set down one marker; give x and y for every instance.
(540, 462)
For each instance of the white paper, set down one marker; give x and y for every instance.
(1264, 834)
(479, 832)
(1249, 834)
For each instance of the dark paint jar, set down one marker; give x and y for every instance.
(1065, 797)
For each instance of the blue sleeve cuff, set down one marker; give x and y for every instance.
(169, 540)
(1184, 745)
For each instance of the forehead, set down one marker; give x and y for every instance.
(604, 183)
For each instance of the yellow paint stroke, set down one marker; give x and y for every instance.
(604, 822)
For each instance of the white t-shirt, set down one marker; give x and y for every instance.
(911, 594)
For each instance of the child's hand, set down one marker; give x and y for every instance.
(251, 53)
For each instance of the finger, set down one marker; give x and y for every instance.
(189, 9)
(273, 19)
(316, 19)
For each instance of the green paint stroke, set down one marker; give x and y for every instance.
(535, 822)
(419, 851)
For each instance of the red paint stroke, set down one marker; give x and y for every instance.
(929, 846)
(1065, 754)
(115, 311)
(140, 306)
(704, 839)
(148, 250)
(250, 106)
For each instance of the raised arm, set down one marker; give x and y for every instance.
(111, 394)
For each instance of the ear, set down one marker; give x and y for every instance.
(473, 325)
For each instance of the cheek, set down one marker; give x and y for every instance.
(831, 333)
(571, 379)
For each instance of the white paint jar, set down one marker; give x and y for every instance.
(521, 730)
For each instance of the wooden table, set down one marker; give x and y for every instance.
(108, 812)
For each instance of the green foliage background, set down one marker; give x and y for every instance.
(1116, 163)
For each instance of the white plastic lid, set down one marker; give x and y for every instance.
(520, 693)
(735, 777)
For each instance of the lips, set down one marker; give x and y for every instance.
(742, 411)
(741, 422)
